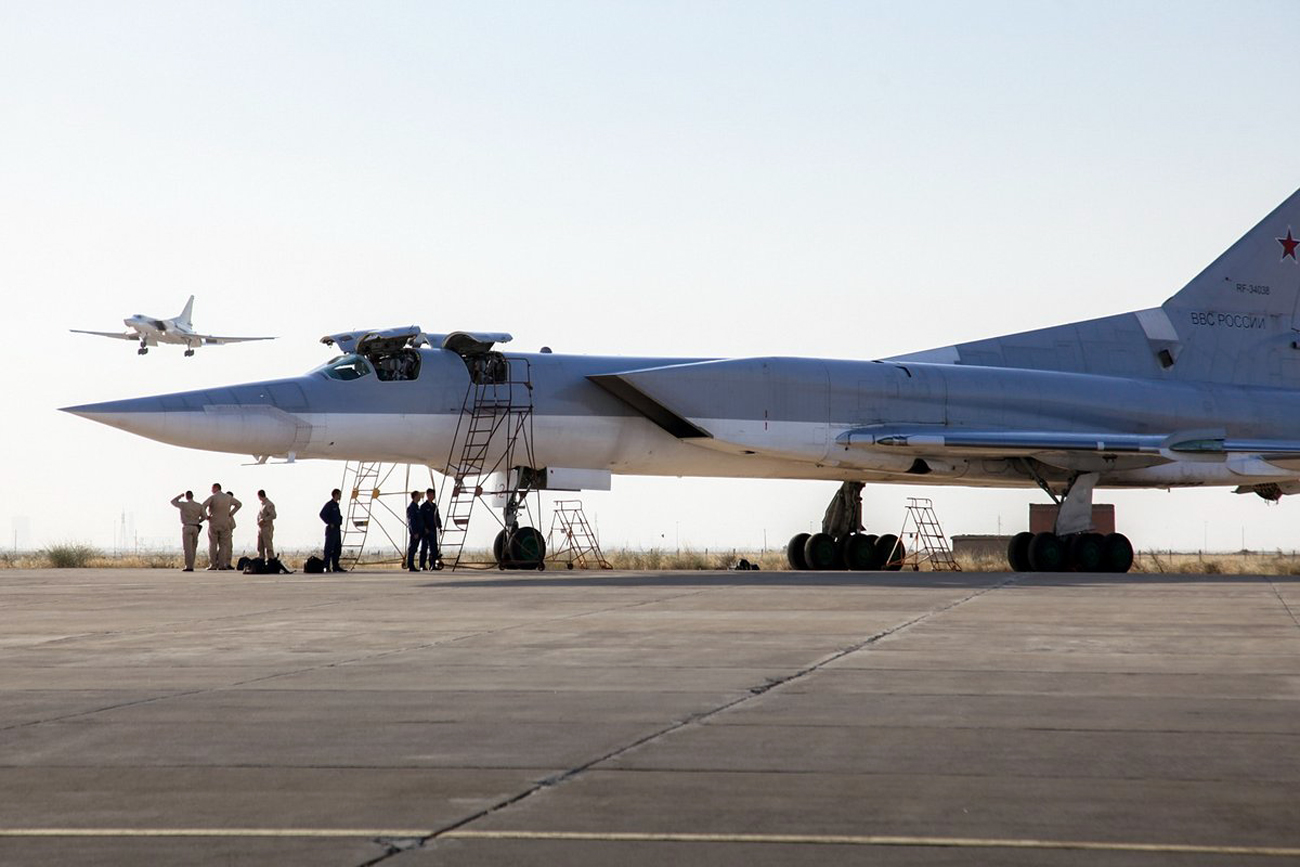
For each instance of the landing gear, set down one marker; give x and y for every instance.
(525, 548)
(143, 350)
(841, 544)
(189, 352)
(1074, 545)
(1080, 552)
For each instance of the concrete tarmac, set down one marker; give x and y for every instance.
(752, 718)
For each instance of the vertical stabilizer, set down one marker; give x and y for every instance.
(1236, 320)
(184, 318)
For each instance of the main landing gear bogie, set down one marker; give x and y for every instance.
(1077, 552)
(857, 552)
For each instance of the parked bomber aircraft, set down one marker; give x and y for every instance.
(150, 332)
(1202, 390)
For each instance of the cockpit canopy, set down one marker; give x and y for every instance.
(345, 367)
(402, 365)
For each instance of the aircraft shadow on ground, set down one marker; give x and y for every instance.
(927, 580)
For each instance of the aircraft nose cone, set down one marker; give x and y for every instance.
(216, 420)
(130, 415)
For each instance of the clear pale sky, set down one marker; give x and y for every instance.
(852, 180)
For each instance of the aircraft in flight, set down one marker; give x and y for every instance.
(150, 331)
(1203, 390)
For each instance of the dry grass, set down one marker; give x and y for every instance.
(76, 555)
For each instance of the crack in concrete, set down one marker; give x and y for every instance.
(554, 780)
(1280, 598)
(325, 666)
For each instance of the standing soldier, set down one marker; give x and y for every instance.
(191, 518)
(333, 519)
(432, 524)
(221, 509)
(265, 528)
(415, 527)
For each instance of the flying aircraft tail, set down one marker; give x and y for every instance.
(184, 317)
(1235, 322)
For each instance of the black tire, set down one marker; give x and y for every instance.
(527, 548)
(499, 549)
(1046, 553)
(858, 552)
(890, 553)
(820, 551)
(1018, 552)
(1119, 553)
(794, 552)
(1087, 552)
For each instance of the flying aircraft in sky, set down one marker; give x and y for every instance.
(150, 332)
(1203, 390)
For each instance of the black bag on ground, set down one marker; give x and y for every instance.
(313, 565)
(242, 564)
(253, 566)
(275, 567)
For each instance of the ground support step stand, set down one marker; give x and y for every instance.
(577, 541)
(928, 542)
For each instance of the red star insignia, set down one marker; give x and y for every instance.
(1289, 244)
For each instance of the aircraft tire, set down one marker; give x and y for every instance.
(1119, 553)
(1046, 553)
(820, 551)
(1018, 552)
(888, 545)
(794, 552)
(527, 548)
(858, 552)
(499, 550)
(1087, 552)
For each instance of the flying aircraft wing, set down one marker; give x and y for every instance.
(213, 340)
(120, 335)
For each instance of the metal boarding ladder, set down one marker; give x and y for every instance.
(578, 544)
(929, 544)
(493, 406)
(369, 516)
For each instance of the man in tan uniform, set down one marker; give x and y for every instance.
(191, 518)
(265, 528)
(221, 509)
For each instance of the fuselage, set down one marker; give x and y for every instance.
(761, 417)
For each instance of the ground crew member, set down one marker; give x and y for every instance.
(333, 519)
(221, 509)
(191, 519)
(415, 529)
(432, 524)
(265, 528)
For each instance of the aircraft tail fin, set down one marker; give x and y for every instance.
(184, 317)
(1236, 321)
(1259, 275)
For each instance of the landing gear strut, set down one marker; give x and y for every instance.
(841, 544)
(1074, 545)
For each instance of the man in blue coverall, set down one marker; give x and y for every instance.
(432, 524)
(333, 519)
(414, 528)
